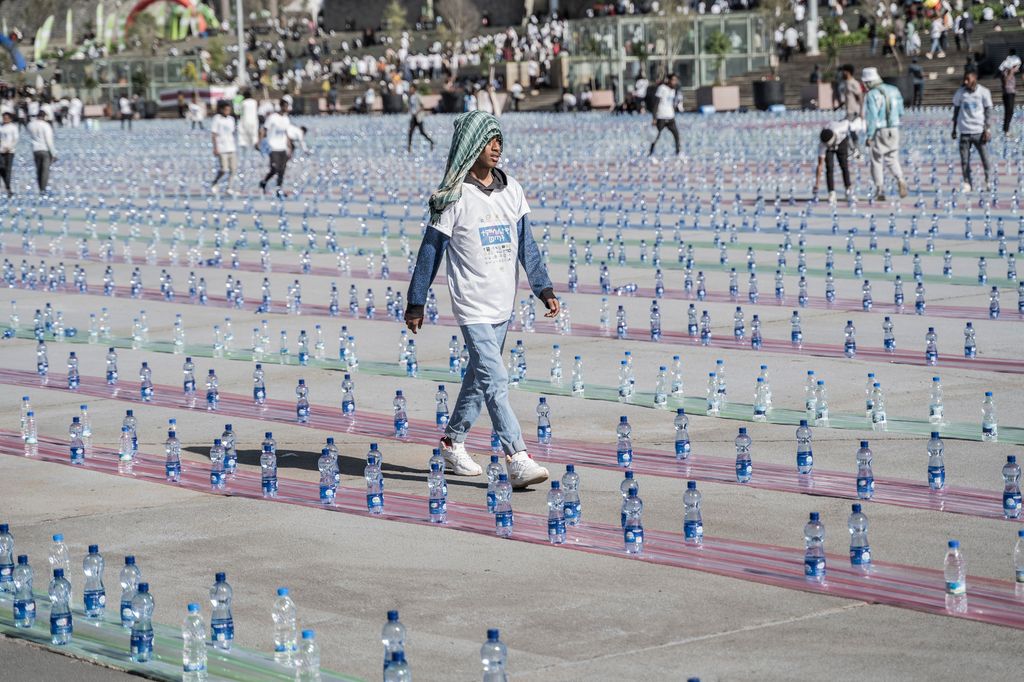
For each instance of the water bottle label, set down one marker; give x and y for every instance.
(633, 535)
(303, 357)
(935, 411)
(543, 434)
(755, 342)
(804, 460)
(437, 506)
(860, 556)
(259, 394)
(931, 357)
(865, 487)
(738, 332)
(889, 344)
(5, 573)
(327, 494)
(956, 587)
(374, 501)
(877, 417)
(759, 411)
(796, 337)
(77, 455)
(491, 501)
(503, 519)
(918, 307)
(216, 478)
(231, 462)
(127, 616)
(572, 512)
(348, 407)
(1020, 577)
(936, 477)
(269, 485)
(744, 470)
(1011, 502)
(190, 387)
(25, 609)
(147, 393)
(61, 625)
(850, 347)
(94, 600)
(72, 382)
(141, 643)
(814, 567)
(173, 471)
(625, 457)
(401, 426)
(682, 447)
(441, 418)
(692, 328)
(222, 630)
(111, 377)
(302, 412)
(693, 530)
(556, 527)
(987, 430)
(211, 398)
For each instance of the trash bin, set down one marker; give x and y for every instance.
(150, 109)
(767, 93)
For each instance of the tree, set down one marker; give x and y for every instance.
(461, 22)
(677, 23)
(394, 18)
(717, 44)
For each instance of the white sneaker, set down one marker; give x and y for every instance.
(965, 188)
(523, 471)
(458, 460)
(832, 198)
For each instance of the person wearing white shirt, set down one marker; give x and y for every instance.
(665, 110)
(972, 115)
(836, 141)
(196, 112)
(43, 151)
(8, 143)
(124, 107)
(222, 131)
(274, 134)
(75, 111)
(297, 138)
(248, 122)
(1008, 81)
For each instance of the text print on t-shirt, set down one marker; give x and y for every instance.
(496, 241)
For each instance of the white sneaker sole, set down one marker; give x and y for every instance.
(520, 483)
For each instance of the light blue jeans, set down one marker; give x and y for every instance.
(486, 382)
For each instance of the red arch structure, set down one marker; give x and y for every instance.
(143, 4)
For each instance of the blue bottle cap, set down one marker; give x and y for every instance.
(1020, 533)
(856, 509)
(954, 544)
(803, 422)
(1011, 459)
(544, 400)
(75, 420)
(302, 382)
(282, 592)
(220, 576)
(743, 430)
(373, 446)
(94, 549)
(622, 419)
(492, 635)
(193, 608)
(210, 372)
(216, 441)
(988, 394)
(330, 440)
(268, 434)
(935, 434)
(577, 357)
(227, 427)
(23, 559)
(815, 516)
(502, 477)
(129, 560)
(259, 365)
(494, 459)
(307, 634)
(129, 413)
(398, 393)
(555, 485)
(59, 537)
(570, 468)
(863, 443)
(143, 587)
(629, 474)
(393, 615)
(633, 492)
(83, 407)
(691, 485)
(188, 358)
(58, 573)
(935, 378)
(680, 410)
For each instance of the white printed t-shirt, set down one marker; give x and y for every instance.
(223, 128)
(483, 252)
(277, 126)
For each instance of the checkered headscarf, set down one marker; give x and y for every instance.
(473, 130)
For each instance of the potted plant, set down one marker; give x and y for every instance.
(720, 96)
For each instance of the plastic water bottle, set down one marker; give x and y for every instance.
(6, 559)
(401, 419)
(193, 646)
(1011, 488)
(493, 655)
(438, 495)
(348, 397)
(931, 348)
(578, 386)
(888, 335)
(111, 367)
(268, 466)
(809, 388)
(441, 407)
(760, 401)
(172, 462)
(970, 343)
(572, 509)
(374, 481)
(1018, 562)
(218, 478)
(24, 604)
(307, 667)
(556, 514)
(693, 523)
(625, 387)
(628, 483)
(76, 445)
(129, 579)
(392, 636)
(744, 465)
(935, 402)
(42, 360)
(397, 668)
(227, 439)
(74, 378)
(860, 550)
(30, 434)
(738, 325)
(493, 471)
(141, 640)
(804, 453)
(713, 400)
(682, 441)
(453, 355)
(954, 571)
(543, 422)
(850, 340)
(146, 382)
(878, 414)
(633, 528)
(212, 394)
(94, 595)
(222, 625)
(503, 520)
(61, 620)
(936, 464)
(188, 370)
(796, 334)
(820, 404)
(282, 614)
(624, 444)
(865, 475)
(259, 385)
(325, 465)
(661, 388)
(989, 426)
(59, 556)
(555, 373)
(720, 380)
(814, 549)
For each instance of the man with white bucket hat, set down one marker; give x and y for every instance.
(883, 108)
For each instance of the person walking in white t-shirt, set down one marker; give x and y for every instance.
(124, 107)
(222, 131)
(8, 143)
(665, 110)
(972, 120)
(75, 111)
(248, 122)
(478, 219)
(43, 150)
(196, 112)
(279, 144)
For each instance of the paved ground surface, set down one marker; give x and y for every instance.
(565, 615)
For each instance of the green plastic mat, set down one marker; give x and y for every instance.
(105, 642)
